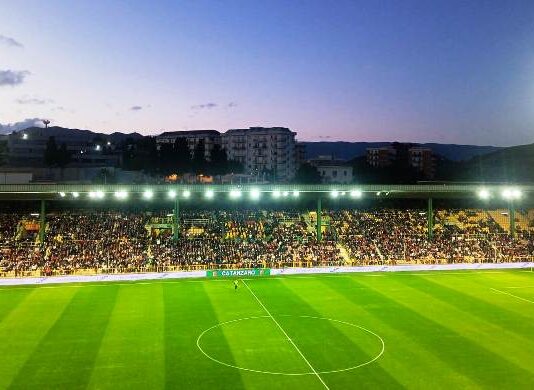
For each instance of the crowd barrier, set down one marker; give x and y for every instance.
(233, 272)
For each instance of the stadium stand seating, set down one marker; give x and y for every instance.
(117, 241)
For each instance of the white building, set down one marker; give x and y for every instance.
(332, 170)
(193, 137)
(264, 152)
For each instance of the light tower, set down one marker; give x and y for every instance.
(46, 123)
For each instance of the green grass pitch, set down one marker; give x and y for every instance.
(397, 330)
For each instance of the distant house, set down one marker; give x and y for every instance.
(333, 170)
(193, 137)
(381, 157)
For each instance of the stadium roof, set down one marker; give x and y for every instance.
(56, 191)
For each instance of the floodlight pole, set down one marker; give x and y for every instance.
(176, 220)
(42, 221)
(319, 220)
(430, 219)
(511, 214)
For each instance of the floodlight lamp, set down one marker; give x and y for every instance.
(511, 193)
(97, 148)
(172, 194)
(484, 194)
(75, 194)
(276, 194)
(121, 195)
(148, 194)
(24, 136)
(285, 193)
(255, 194)
(355, 194)
(209, 194)
(296, 194)
(62, 194)
(186, 194)
(334, 193)
(234, 194)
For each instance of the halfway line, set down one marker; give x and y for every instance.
(285, 334)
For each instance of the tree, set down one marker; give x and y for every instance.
(63, 156)
(199, 158)
(219, 161)
(307, 174)
(181, 155)
(51, 152)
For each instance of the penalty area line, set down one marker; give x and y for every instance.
(287, 336)
(512, 295)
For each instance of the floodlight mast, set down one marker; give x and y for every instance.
(46, 123)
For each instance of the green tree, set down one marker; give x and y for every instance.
(51, 152)
(307, 174)
(182, 155)
(199, 157)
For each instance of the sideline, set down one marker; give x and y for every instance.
(154, 276)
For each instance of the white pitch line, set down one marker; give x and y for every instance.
(287, 336)
(519, 287)
(512, 295)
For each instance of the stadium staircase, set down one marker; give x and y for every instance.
(500, 216)
(344, 254)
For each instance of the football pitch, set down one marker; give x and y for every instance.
(463, 329)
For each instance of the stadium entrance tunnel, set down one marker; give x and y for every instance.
(257, 344)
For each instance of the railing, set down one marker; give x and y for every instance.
(209, 265)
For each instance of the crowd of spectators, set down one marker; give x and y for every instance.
(116, 241)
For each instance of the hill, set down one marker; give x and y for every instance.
(350, 150)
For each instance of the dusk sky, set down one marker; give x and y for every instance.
(422, 71)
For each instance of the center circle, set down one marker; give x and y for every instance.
(257, 344)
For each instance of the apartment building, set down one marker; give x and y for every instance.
(193, 137)
(263, 151)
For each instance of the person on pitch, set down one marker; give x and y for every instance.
(236, 282)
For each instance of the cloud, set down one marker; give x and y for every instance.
(10, 41)
(232, 105)
(33, 100)
(136, 108)
(12, 77)
(205, 106)
(29, 122)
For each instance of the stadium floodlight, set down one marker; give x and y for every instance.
(172, 194)
(343, 193)
(24, 136)
(484, 194)
(121, 195)
(186, 194)
(62, 194)
(276, 194)
(255, 194)
(148, 194)
(97, 194)
(334, 193)
(296, 194)
(97, 148)
(285, 193)
(235, 194)
(209, 194)
(75, 194)
(511, 193)
(355, 194)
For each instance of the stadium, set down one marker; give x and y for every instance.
(266, 286)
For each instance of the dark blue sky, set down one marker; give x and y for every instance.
(427, 71)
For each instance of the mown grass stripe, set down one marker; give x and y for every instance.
(23, 328)
(282, 300)
(341, 300)
(65, 356)
(131, 353)
(9, 300)
(188, 311)
(462, 297)
(468, 357)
